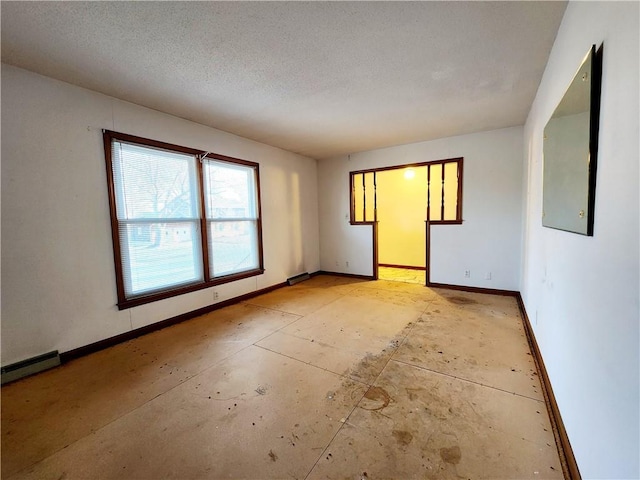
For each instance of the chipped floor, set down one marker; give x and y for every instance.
(332, 378)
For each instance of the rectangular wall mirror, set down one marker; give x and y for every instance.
(570, 152)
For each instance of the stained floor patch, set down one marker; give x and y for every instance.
(435, 426)
(402, 437)
(462, 300)
(379, 398)
(451, 455)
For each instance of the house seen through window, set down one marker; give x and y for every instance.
(182, 219)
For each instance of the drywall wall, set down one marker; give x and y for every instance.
(581, 293)
(402, 203)
(57, 260)
(489, 240)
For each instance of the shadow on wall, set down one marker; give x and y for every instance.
(295, 230)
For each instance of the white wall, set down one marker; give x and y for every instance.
(58, 274)
(581, 293)
(489, 240)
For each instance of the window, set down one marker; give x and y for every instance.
(232, 217)
(181, 219)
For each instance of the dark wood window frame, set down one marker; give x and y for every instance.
(352, 187)
(125, 302)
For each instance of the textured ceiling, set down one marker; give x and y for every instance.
(317, 78)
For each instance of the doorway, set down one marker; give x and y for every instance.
(401, 203)
(402, 206)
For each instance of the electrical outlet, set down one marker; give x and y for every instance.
(488, 276)
(215, 295)
(467, 274)
(337, 263)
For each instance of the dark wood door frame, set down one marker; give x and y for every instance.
(427, 246)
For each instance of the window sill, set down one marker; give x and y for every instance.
(368, 222)
(124, 304)
(445, 222)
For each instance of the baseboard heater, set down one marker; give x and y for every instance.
(30, 366)
(298, 278)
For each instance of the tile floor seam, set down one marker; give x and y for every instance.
(404, 339)
(532, 442)
(360, 400)
(94, 431)
(346, 418)
(429, 304)
(300, 317)
(272, 309)
(245, 347)
(291, 313)
(18, 473)
(467, 380)
(193, 375)
(160, 394)
(322, 344)
(315, 366)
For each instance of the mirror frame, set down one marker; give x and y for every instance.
(594, 127)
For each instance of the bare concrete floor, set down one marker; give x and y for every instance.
(331, 378)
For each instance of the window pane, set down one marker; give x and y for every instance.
(358, 198)
(157, 256)
(153, 183)
(369, 195)
(230, 190)
(450, 190)
(435, 192)
(233, 247)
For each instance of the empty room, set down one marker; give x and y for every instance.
(308, 240)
